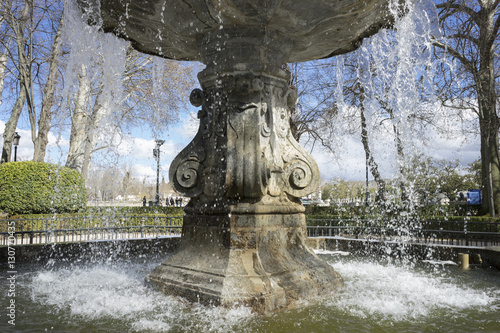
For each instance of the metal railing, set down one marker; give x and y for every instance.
(87, 228)
(463, 233)
(113, 227)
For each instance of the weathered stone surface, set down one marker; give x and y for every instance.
(262, 262)
(170, 28)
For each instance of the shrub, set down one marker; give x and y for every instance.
(36, 187)
(137, 210)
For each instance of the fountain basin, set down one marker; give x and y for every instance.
(380, 295)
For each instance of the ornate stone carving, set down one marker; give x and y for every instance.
(245, 132)
(186, 169)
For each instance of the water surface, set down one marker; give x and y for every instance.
(380, 295)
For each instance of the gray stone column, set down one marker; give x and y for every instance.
(243, 238)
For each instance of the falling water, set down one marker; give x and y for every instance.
(90, 49)
(101, 58)
(396, 71)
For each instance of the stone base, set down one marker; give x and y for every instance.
(257, 260)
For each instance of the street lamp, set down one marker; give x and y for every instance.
(15, 142)
(156, 154)
(367, 198)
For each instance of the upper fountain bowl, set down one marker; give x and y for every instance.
(170, 28)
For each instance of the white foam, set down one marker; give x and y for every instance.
(342, 253)
(440, 262)
(400, 293)
(119, 293)
(372, 290)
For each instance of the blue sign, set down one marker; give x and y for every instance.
(474, 197)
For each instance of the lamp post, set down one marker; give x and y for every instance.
(15, 142)
(156, 154)
(367, 198)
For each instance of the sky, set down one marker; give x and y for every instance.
(348, 163)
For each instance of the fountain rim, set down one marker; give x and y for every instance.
(332, 33)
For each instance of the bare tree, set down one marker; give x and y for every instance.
(44, 121)
(471, 37)
(31, 42)
(319, 121)
(15, 21)
(3, 65)
(141, 102)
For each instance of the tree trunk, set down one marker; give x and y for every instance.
(405, 198)
(98, 114)
(380, 198)
(3, 65)
(84, 126)
(10, 126)
(489, 126)
(18, 26)
(48, 96)
(25, 61)
(87, 154)
(79, 124)
(489, 123)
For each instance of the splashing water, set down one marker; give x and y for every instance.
(377, 297)
(388, 297)
(90, 48)
(398, 293)
(109, 294)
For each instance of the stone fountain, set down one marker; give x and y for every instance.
(244, 233)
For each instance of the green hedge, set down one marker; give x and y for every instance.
(112, 211)
(458, 212)
(167, 210)
(38, 188)
(35, 222)
(432, 217)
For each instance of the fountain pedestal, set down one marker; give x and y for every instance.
(244, 232)
(257, 260)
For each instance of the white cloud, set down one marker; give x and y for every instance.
(144, 171)
(57, 141)
(25, 149)
(56, 148)
(349, 162)
(188, 127)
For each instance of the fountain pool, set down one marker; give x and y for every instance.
(379, 295)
